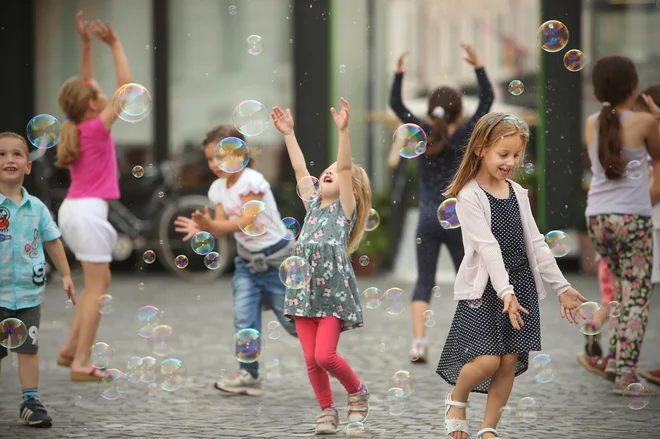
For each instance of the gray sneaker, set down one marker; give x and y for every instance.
(242, 384)
(358, 406)
(327, 421)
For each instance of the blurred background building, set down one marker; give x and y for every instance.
(191, 55)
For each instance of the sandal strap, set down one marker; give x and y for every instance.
(483, 431)
(457, 404)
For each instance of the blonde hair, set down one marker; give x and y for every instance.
(362, 194)
(488, 130)
(74, 97)
(10, 135)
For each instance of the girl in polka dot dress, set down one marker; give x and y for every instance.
(500, 279)
(330, 303)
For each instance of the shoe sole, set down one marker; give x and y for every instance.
(36, 424)
(582, 360)
(239, 390)
(65, 362)
(644, 374)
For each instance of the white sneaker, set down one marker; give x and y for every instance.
(242, 384)
(418, 352)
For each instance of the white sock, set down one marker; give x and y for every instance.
(421, 341)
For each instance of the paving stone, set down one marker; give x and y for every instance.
(576, 404)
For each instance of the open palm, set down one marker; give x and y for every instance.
(283, 121)
(341, 119)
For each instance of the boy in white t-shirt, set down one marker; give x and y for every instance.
(256, 278)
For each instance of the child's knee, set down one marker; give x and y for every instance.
(488, 363)
(509, 361)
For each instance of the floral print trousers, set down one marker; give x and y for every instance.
(625, 243)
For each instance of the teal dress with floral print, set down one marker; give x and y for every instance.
(332, 290)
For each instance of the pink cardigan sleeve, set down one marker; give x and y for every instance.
(477, 233)
(547, 264)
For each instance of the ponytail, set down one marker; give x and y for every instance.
(438, 136)
(68, 149)
(609, 143)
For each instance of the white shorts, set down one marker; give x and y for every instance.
(655, 274)
(86, 230)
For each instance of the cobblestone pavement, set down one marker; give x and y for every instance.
(576, 404)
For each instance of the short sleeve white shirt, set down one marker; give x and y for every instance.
(249, 182)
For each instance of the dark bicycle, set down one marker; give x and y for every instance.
(147, 225)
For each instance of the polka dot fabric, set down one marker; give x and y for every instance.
(479, 327)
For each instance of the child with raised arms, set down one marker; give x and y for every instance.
(330, 304)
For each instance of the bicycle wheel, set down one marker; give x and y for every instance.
(171, 245)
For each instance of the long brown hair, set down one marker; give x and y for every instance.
(614, 80)
(362, 194)
(490, 128)
(74, 97)
(450, 102)
(222, 131)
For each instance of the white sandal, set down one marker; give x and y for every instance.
(454, 425)
(487, 430)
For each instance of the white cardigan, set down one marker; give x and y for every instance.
(483, 256)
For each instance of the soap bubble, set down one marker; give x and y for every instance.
(558, 243)
(13, 333)
(447, 214)
(373, 220)
(254, 45)
(43, 131)
(516, 87)
(132, 102)
(552, 36)
(202, 243)
(308, 188)
(251, 118)
(231, 155)
(248, 345)
(574, 60)
(295, 272)
(410, 140)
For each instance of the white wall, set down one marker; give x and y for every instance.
(58, 53)
(211, 71)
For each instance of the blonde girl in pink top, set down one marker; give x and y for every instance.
(499, 281)
(87, 149)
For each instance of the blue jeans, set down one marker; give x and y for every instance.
(249, 291)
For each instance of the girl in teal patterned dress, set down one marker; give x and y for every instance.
(330, 304)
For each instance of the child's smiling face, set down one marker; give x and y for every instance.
(14, 160)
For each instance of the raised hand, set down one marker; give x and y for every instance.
(399, 62)
(653, 107)
(187, 226)
(513, 308)
(103, 31)
(471, 55)
(569, 301)
(341, 119)
(283, 121)
(83, 28)
(203, 220)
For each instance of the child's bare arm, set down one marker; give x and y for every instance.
(87, 67)
(56, 252)
(104, 32)
(344, 160)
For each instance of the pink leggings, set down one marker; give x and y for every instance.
(319, 338)
(606, 280)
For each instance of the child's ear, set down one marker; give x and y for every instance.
(28, 168)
